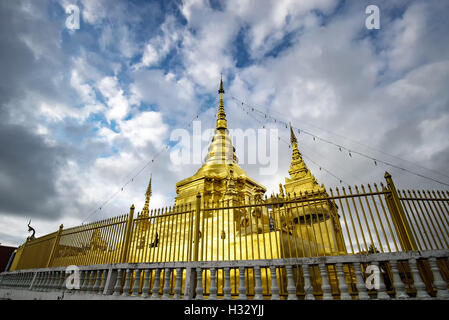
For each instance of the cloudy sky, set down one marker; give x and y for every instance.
(83, 111)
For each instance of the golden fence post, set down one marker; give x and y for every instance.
(125, 248)
(16, 262)
(197, 227)
(398, 216)
(55, 245)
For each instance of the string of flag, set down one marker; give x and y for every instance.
(249, 108)
(165, 148)
(341, 181)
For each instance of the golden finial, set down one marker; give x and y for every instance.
(148, 193)
(221, 90)
(292, 136)
(221, 116)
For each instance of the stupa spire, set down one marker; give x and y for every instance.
(298, 167)
(294, 142)
(221, 90)
(145, 209)
(301, 179)
(221, 115)
(293, 137)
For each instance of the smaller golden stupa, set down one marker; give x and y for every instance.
(317, 221)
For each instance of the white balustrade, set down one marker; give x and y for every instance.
(148, 280)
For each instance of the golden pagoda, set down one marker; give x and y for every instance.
(318, 223)
(220, 177)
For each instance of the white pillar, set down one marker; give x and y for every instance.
(199, 284)
(361, 286)
(274, 284)
(178, 286)
(213, 285)
(258, 286)
(227, 284)
(420, 286)
(342, 286)
(156, 284)
(242, 284)
(308, 289)
(166, 290)
(397, 282)
(438, 281)
(325, 286)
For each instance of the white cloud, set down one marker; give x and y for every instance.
(94, 11)
(173, 96)
(145, 127)
(56, 112)
(85, 91)
(116, 100)
(407, 36)
(160, 45)
(269, 21)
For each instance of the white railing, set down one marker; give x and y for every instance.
(184, 280)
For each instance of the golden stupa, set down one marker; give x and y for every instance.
(220, 177)
(319, 221)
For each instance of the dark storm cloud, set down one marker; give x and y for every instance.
(28, 170)
(29, 53)
(28, 164)
(440, 161)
